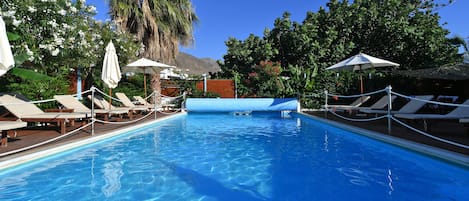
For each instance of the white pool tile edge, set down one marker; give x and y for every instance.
(16, 161)
(445, 155)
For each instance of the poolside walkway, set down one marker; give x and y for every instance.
(447, 129)
(30, 136)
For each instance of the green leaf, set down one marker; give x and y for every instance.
(20, 58)
(13, 36)
(29, 75)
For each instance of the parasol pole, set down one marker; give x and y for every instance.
(110, 98)
(145, 82)
(361, 79)
(361, 83)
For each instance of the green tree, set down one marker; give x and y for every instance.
(404, 31)
(52, 37)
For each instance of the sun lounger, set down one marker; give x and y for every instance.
(103, 104)
(142, 101)
(128, 103)
(409, 108)
(29, 112)
(9, 125)
(359, 101)
(380, 104)
(70, 102)
(165, 103)
(457, 113)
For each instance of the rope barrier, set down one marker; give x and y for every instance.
(93, 120)
(358, 95)
(429, 135)
(45, 142)
(429, 101)
(173, 112)
(357, 120)
(390, 117)
(122, 123)
(107, 96)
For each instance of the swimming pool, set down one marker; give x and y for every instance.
(226, 157)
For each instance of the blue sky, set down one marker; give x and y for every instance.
(220, 19)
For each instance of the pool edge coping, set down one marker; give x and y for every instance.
(16, 161)
(445, 155)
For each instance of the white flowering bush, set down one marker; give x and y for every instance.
(54, 36)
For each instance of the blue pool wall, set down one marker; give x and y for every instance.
(240, 104)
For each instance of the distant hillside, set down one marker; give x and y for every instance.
(196, 66)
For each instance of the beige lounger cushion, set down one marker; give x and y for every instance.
(144, 102)
(70, 102)
(23, 109)
(103, 104)
(128, 103)
(8, 125)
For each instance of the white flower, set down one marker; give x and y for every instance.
(73, 9)
(16, 23)
(52, 23)
(9, 13)
(55, 52)
(91, 9)
(32, 9)
(58, 41)
(29, 52)
(81, 33)
(68, 4)
(62, 12)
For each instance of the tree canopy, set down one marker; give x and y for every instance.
(51, 38)
(404, 31)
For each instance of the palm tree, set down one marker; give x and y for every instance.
(160, 25)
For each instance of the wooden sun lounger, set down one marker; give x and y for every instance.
(103, 104)
(29, 112)
(128, 103)
(165, 104)
(68, 101)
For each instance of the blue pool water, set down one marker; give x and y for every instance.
(227, 157)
